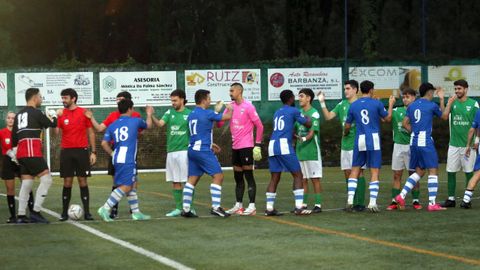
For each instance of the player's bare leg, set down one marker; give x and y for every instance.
(467, 197)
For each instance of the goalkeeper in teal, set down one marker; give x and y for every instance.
(308, 149)
(461, 113)
(178, 137)
(346, 154)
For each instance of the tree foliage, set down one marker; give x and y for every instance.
(236, 31)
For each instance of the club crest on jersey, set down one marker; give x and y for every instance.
(66, 121)
(173, 116)
(7, 140)
(185, 117)
(468, 108)
(242, 110)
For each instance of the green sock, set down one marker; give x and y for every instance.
(452, 184)
(415, 194)
(318, 198)
(305, 198)
(395, 192)
(360, 193)
(468, 176)
(177, 197)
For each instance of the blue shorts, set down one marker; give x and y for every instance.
(284, 163)
(369, 158)
(477, 163)
(424, 157)
(200, 162)
(125, 174)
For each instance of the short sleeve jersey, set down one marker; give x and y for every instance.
(309, 150)
(461, 117)
(420, 114)
(6, 139)
(178, 135)
(283, 127)
(366, 112)
(124, 134)
(200, 123)
(74, 125)
(341, 110)
(400, 134)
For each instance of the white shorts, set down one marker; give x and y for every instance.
(177, 167)
(311, 169)
(400, 157)
(457, 160)
(346, 157)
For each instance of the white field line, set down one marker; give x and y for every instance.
(154, 256)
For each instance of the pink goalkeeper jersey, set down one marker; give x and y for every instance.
(243, 120)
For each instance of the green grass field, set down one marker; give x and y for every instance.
(330, 240)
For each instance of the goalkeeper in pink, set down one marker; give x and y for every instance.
(244, 151)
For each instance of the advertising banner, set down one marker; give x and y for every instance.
(146, 87)
(327, 80)
(444, 76)
(51, 84)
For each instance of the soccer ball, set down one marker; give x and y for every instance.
(75, 212)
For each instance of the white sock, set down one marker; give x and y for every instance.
(42, 191)
(351, 187)
(23, 195)
(432, 188)
(298, 193)
(188, 190)
(451, 198)
(271, 200)
(251, 206)
(239, 204)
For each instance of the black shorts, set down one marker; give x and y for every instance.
(74, 162)
(242, 157)
(32, 165)
(111, 169)
(10, 169)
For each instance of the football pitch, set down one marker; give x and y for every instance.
(332, 239)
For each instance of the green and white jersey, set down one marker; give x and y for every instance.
(400, 134)
(309, 150)
(341, 110)
(461, 117)
(178, 135)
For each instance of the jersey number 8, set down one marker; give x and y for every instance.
(365, 118)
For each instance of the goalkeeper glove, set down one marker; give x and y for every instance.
(257, 152)
(12, 153)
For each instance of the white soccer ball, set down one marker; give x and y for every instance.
(75, 212)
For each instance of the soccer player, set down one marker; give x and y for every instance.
(10, 168)
(26, 142)
(178, 137)
(401, 150)
(112, 117)
(461, 114)
(423, 154)
(346, 154)
(308, 149)
(124, 133)
(244, 151)
(474, 131)
(281, 155)
(75, 159)
(367, 113)
(201, 158)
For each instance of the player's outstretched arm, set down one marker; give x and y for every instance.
(158, 123)
(227, 114)
(308, 137)
(327, 114)
(448, 108)
(98, 127)
(149, 110)
(391, 102)
(406, 124)
(106, 147)
(441, 96)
